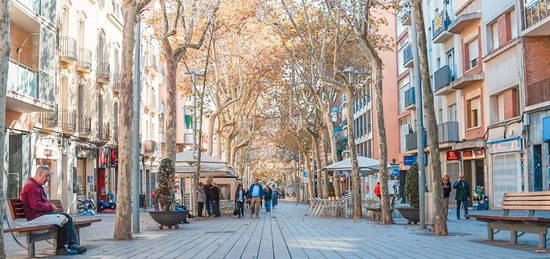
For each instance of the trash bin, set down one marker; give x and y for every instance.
(142, 200)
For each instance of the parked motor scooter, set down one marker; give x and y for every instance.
(86, 207)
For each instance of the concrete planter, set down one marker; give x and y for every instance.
(411, 214)
(168, 218)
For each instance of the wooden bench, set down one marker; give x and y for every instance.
(41, 232)
(375, 207)
(523, 201)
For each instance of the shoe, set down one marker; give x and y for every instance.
(78, 249)
(186, 222)
(65, 251)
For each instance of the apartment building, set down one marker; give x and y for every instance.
(31, 88)
(535, 52)
(153, 138)
(488, 65)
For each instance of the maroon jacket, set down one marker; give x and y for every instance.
(33, 197)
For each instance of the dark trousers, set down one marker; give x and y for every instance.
(201, 208)
(216, 208)
(240, 208)
(465, 204)
(66, 235)
(209, 208)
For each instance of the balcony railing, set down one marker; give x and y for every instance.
(410, 97)
(116, 82)
(103, 133)
(149, 146)
(448, 131)
(67, 47)
(84, 124)
(535, 13)
(104, 70)
(411, 141)
(22, 79)
(442, 77)
(84, 59)
(68, 120)
(440, 23)
(407, 55)
(404, 13)
(50, 119)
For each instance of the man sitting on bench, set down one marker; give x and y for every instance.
(35, 204)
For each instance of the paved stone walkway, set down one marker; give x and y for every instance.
(288, 232)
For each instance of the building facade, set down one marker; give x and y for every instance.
(488, 66)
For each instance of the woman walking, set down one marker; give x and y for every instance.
(240, 198)
(268, 193)
(201, 199)
(447, 188)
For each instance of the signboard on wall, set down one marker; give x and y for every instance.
(505, 145)
(453, 155)
(472, 154)
(103, 158)
(409, 160)
(546, 128)
(114, 158)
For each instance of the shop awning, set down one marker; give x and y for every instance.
(365, 164)
(188, 158)
(206, 170)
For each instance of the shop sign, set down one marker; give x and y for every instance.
(47, 149)
(103, 158)
(114, 157)
(505, 145)
(409, 160)
(473, 154)
(453, 155)
(84, 152)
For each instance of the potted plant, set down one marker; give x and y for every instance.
(167, 216)
(412, 213)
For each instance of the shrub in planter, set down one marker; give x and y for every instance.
(411, 187)
(165, 192)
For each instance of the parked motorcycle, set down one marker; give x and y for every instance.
(86, 207)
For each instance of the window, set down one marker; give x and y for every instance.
(493, 33)
(81, 34)
(505, 105)
(474, 113)
(404, 128)
(473, 54)
(437, 63)
(451, 110)
(65, 25)
(451, 61)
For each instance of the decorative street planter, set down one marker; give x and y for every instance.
(168, 219)
(411, 214)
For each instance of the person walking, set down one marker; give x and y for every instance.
(462, 195)
(268, 195)
(377, 191)
(240, 199)
(255, 192)
(201, 199)
(275, 196)
(216, 201)
(208, 193)
(446, 192)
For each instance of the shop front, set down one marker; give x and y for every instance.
(83, 178)
(506, 164)
(102, 174)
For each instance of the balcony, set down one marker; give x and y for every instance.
(116, 83)
(23, 89)
(68, 120)
(68, 50)
(463, 21)
(410, 100)
(466, 80)
(411, 141)
(103, 72)
(442, 79)
(84, 124)
(404, 14)
(50, 119)
(149, 147)
(536, 18)
(440, 25)
(448, 132)
(84, 60)
(407, 56)
(103, 132)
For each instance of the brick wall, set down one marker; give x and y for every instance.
(536, 51)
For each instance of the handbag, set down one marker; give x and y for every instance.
(235, 212)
